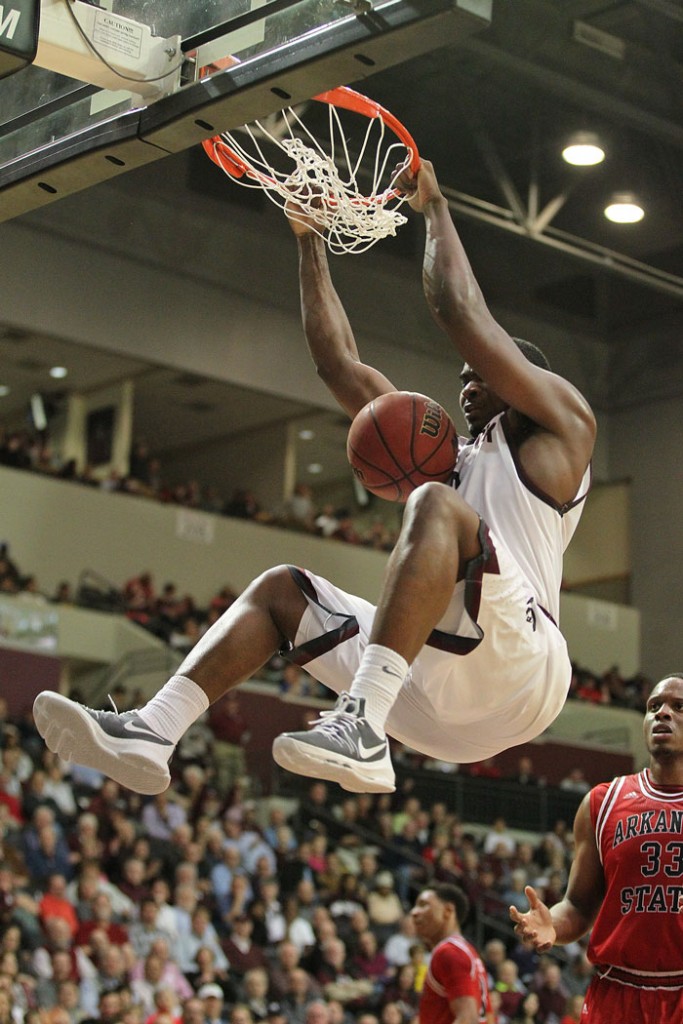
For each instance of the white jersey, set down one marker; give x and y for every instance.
(534, 528)
(495, 671)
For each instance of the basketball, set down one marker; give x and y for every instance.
(399, 441)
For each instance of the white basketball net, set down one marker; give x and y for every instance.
(323, 183)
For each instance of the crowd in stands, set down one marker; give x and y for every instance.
(31, 451)
(177, 618)
(209, 904)
(179, 621)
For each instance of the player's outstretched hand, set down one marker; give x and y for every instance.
(534, 927)
(421, 188)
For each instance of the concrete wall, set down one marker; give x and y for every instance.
(647, 442)
(57, 529)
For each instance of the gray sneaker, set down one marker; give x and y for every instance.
(121, 746)
(341, 747)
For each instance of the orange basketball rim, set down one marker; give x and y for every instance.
(321, 182)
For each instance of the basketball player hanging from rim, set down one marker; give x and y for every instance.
(462, 657)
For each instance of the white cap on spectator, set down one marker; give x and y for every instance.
(210, 991)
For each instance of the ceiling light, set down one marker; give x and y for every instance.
(583, 149)
(624, 208)
(315, 468)
(58, 372)
(306, 435)
(4, 390)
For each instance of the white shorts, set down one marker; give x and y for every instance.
(495, 672)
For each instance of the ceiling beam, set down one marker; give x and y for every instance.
(571, 245)
(578, 92)
(500, 175)
(669, 8)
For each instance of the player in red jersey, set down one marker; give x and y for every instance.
(626, 881)
(456, 988)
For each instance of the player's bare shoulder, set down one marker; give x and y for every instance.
(556, 453)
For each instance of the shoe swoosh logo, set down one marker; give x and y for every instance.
(144, 733)
(369, 751)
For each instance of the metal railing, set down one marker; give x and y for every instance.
(134, 664)
(531, 808)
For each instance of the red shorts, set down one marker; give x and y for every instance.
(609, 1002)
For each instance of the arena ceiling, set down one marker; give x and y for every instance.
(492, 113)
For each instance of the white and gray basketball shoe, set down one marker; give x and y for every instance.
(340, 747)
(121, 746)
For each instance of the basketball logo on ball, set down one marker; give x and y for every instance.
(399, 441)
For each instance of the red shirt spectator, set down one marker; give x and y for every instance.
(101, 921)
(139, 598)
(487, 769)
(54, 903)
(221, 601)
(226, 720)
(13, 805)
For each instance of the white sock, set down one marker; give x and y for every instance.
(379, 678)
(174, 708)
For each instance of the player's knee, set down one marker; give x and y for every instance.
(434, 500)
(437, 511)
(275, 579)
(269, 586)
(276, 592)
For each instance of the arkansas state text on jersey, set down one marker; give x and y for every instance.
(639, 834)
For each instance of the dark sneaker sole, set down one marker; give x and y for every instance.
(302, 759)
(68, 730)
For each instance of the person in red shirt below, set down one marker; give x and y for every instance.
(231, 735)
(102, 920)
(455, 989)
(54, 903)
(625, 881)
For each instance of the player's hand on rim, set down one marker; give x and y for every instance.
(301, 222)
(421, 188)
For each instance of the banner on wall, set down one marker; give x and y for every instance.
(196, 527)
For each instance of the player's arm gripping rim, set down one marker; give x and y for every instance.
(328, 332)
(562, 443)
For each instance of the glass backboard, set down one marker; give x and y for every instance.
(122, 83)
